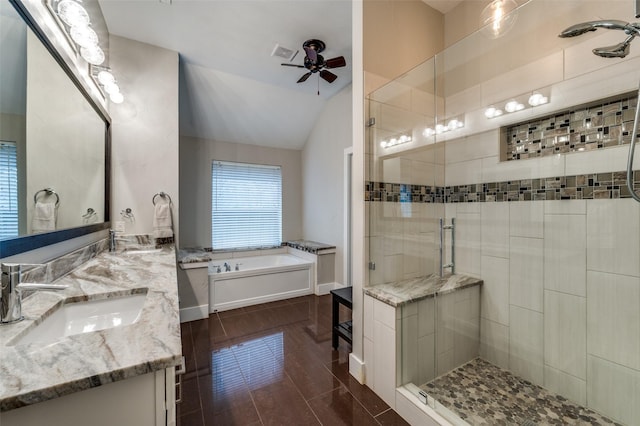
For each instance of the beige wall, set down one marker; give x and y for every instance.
(323, 176)
(195, 185)
(398, 35)
(144, 131)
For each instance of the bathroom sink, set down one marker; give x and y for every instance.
(85, 317)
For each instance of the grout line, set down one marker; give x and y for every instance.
(303, 398)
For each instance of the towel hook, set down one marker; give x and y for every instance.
(161, 194)
(48, 192)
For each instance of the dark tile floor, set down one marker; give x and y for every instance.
(272, 364)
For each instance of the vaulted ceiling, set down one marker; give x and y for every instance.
(232, 89)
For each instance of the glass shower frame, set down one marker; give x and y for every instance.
(409, 185)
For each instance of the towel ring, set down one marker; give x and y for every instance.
(48, 191)
(161, 195)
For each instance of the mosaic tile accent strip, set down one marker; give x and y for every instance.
(597, 126)
(611, 185)
(483, 394)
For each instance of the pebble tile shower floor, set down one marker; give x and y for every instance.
(272, 364)
(483, 394)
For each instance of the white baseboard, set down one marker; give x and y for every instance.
(194, 313)
(356, 368)
(322, 289)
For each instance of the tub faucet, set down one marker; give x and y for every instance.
(227, 267)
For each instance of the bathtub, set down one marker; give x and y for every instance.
(259, 279)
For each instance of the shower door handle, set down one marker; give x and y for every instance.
(452, 264)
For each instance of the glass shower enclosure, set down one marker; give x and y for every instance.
(521, 141)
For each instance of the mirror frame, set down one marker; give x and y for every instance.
(21, 244)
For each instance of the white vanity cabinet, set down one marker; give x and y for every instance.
(145, 400)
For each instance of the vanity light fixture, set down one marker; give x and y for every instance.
(76, 23)
(396, 140)
(448, 125)
(518, 103)
(105, 78)
(72, 13)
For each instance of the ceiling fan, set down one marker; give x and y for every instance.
(316, 63)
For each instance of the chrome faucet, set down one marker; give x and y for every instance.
(227, 267)
(10, 296)
(112, 240)
(11, 292)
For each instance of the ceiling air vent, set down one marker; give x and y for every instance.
(283, 52)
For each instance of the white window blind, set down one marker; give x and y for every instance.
(8, 190)
(246, 205)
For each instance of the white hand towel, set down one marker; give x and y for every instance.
(44, 218)
(162, 224)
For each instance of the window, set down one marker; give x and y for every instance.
(246, 205)
(8, 190)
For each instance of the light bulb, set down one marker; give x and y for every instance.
(498, 17)
(428, 132)
(72, 13)
(490, 112)
(105, 77)
(84, 36)
(453, 124)
(440, 129)
(116, 98)
(511, 106)
(94, 55)
(111, 88)
(383, 144)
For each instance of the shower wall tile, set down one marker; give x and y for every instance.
(495, 289)
(426, 317)
(494, 343)
(565, 333)
(495, 229)
(574, 207)
(613, 236)
(468, 242)
(526, 337)
(565, 253)
(473, 147)
(579, 60)
(564, 384)
(493, 170)
(409, 352)
(598, 161)
(464, 172)
(526, 219)
(613, 318)
(526, 273)
(614, 389)
(426, 355)
(534, 75)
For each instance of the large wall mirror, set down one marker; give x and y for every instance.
(54, 143)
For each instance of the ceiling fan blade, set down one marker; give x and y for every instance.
(293, 65)
(311, 54)
(304, 78)
(328, 76)
(335, 62)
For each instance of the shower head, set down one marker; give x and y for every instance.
(619, 50)
(585, 27)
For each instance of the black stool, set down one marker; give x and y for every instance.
(341, 296)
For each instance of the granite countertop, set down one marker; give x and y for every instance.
(193, 255)
(31, 373)
(411, 290)
(309, 246)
